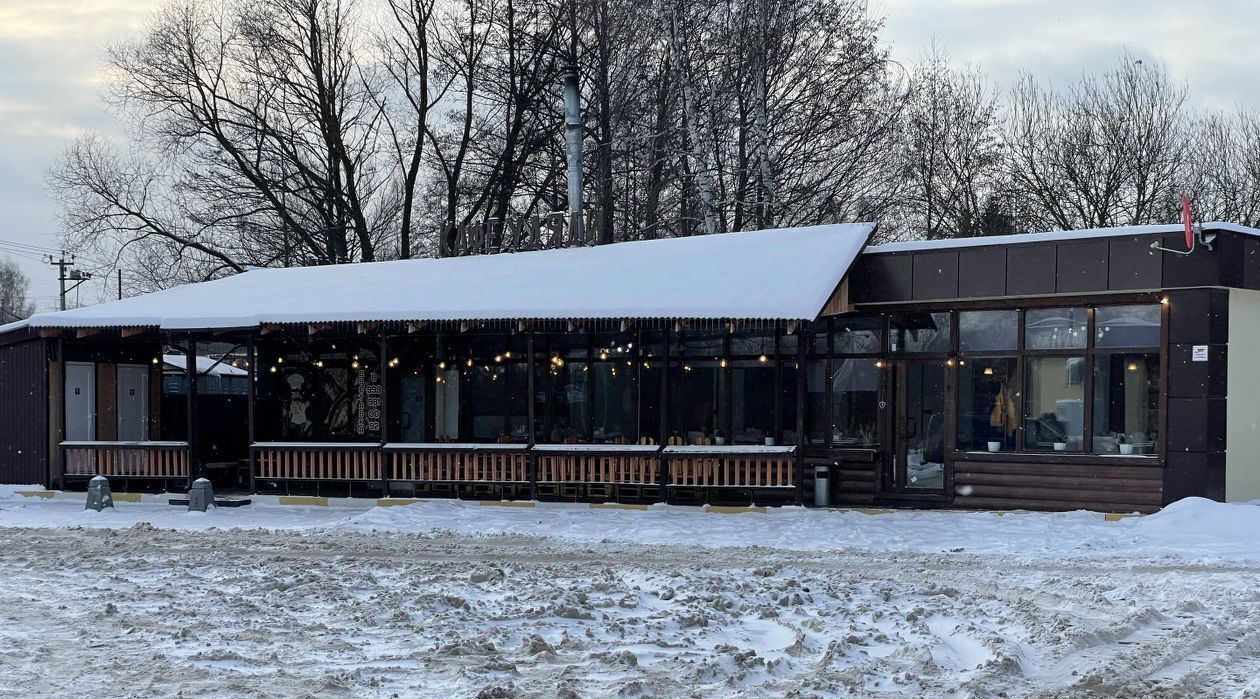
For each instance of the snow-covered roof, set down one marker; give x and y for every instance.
(783, 274)
(1052, 236)
(205, 365)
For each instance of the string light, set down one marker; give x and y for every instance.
(470, 361)
(763, 359)
(722, 362)
(498, 358)
(273, 370)
(279, 360)
(441, 365)
(603, 354)
(155, 360)
(354, 364)
(988, 371)
(508, 354)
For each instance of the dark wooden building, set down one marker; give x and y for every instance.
(1081, 369)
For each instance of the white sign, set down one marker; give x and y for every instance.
(1199, 353)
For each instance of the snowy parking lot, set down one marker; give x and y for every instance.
(450, 599)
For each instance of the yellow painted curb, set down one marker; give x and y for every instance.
(303, 500)
(617, 506)
(873, 511)
(507, 503)
(126, 497)
(397, 502)
(723, 510)
(1116, 516)
(45, 494)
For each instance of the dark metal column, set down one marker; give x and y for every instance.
(384, 418)
(252, 369)
(194, 444)
(530, 460)
(801, 369)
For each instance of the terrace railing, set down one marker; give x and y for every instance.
(448, 462)
(614, 464)
(350, 461)
(126, 459)
(709, 466)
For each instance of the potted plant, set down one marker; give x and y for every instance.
(719, 437)
(995, 446)
(1126, 446)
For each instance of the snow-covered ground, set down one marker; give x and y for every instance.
(448, 600)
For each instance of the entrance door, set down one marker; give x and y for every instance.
(80, 401)
(918, 407)
(133, 402)
(412, 415)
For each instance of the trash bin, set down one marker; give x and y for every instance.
(822, 486)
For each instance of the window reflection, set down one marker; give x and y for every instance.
(1054, 410)
(1126, 403)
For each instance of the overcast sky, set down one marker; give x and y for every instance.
(50, 75)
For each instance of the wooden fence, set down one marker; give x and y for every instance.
(322, 462)
(126, 459)
(459, 463)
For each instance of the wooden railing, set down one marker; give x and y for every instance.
(317, 461)
(126, 459)
(458, 463)
(620, 464)
(730, 466)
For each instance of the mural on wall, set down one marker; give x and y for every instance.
(330, 402)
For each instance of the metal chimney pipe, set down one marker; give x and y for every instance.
(573, 149)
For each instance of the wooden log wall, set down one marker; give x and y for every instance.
(620, 469)
(777, 471)
(1042, 486)
(459, 466)
(324, 464)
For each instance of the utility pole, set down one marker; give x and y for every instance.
(120, 284)
(65, 273)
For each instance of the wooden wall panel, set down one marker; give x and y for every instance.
(106, 401)
(935, 275)
(1031, 270)
(1132, 265)
(981, 272)
(999, 485)
(23, 413)
(1082, 267)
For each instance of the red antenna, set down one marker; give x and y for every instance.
(1188, 220)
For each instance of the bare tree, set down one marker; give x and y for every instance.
(953, 150)
(1105, 152)
(14, 289)
(1222, 168)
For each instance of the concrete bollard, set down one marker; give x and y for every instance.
(98, 495)
(201, 496)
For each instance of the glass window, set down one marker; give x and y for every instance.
(650, 399)
(815, 402)
(446, 404)
(787, 401)
(697, 388)
(857, 334)
(987, 331)
(988, 404)
(1126, 403)
(487, 402)
(855, 403)
(753, 343)
(1054, 407)
(568, 403)
(1054, 328)
(752, 402)
(920, 332)
(1127, 326)
(613, 408)
(518, 400)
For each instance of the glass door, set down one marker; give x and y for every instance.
(918, 408)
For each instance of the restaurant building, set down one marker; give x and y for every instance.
(1103, 369)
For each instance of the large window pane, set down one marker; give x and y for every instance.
(1055, 328)
(518, 401)
(816, 422)
(857, 334)
(568, 404)
(697, 387)
(487, 402)
(920, 332)
(987, 331)
(988, 404)
(614, 402)
(1054, 409)
(1127, 326)
(752, 401)
(1126, 403)
(787, 401)
(855, 403)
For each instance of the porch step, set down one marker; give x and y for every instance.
(218, 502)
